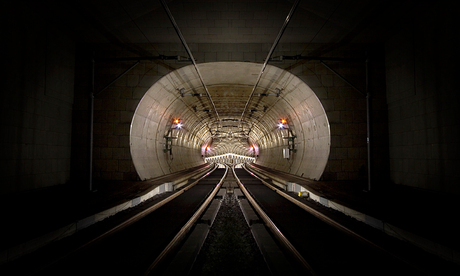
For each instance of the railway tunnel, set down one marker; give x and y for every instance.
(304, 132)
(106, 105)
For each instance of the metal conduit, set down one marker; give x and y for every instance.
(283, 28)
(184, 43)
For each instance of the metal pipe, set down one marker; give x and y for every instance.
(369, 128)
(283, 28)
(184, 43)
(91, 126)
(299, 57)
(160, 57)
(117, 78)
(341, 77)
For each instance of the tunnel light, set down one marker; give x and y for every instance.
(282, 124)
(177, 124)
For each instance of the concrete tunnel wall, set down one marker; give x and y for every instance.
(36, 99)
(162, 103)
(45, 127)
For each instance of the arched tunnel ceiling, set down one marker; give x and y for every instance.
(180, 95)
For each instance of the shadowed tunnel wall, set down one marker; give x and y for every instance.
(47, 81)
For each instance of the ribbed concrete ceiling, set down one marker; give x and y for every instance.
(180, 95)
(138, 27)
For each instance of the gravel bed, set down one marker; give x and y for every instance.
(230, 248)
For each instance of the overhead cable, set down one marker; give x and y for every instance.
(184, 43)
(280, 34)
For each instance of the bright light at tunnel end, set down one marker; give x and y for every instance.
(230, 158)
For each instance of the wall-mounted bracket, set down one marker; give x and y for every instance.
(168, 144)
(291, 141)
(183, 94)
(276, 94)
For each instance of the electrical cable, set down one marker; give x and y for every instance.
(324, 24)
(189, 52)
(280, 34)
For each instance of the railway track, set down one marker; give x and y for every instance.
(176, 235)
(127, 245)
(327, 247)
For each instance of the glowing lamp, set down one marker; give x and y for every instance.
(282, 123)
(178, 124)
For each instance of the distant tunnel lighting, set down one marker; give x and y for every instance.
(230, 157)
(179, 125)
(280, 125)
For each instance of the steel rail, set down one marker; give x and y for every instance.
(274, 229)
(317, 214)
(329, 220)
(189, 52)
(180, 236)
(283, 28)
(309, 209)
(147, 211)
(132, 219)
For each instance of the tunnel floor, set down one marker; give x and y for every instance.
(230, 242)
(37, 213)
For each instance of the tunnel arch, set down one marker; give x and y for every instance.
(158, 148)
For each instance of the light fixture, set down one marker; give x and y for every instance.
(282, 123)
(177, 124)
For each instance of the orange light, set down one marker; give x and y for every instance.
(176, 121)
(283, 121)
